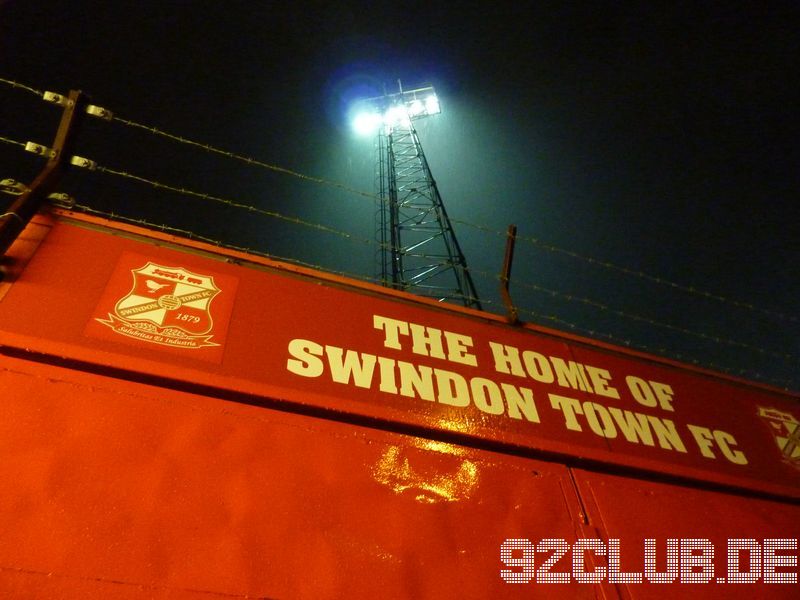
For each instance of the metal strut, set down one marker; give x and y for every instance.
(512, 315)
(19, 214)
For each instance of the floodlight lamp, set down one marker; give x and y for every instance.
(416, 108)
(432, 105)
(396, 115)
(366, 122)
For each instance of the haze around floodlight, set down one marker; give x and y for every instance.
(367, 122)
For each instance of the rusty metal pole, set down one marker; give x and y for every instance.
(505, 276)
(19, 214)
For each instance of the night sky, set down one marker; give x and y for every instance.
(662, 140)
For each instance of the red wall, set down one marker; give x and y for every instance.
(132, 468)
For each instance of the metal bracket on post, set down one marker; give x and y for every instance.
(19, 214)
(511, 311)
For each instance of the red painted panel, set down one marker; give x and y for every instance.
(110, 489)
(294, 339)
(664, 413)
(632, 510)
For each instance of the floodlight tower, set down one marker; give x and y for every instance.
(419, 250)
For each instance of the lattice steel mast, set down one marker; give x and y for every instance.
(419, 250)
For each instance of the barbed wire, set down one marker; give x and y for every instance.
(209, 148)
(21, 86)
(6, 140)
(114, 216)
(245, 159)
(227, 202)
(529, 239)
(631, 272)
(196, 236)
(642, 319)
(564, 324)
(235, 204)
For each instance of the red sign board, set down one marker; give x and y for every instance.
(289, 336)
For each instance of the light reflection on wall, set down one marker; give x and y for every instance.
(433, 471)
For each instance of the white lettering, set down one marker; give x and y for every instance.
(393, 329)
(305, 362)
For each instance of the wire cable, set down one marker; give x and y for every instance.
(214, 150)
(6, 140)
(655, 323)
(632, 272)
(196, 236)
(529, 239)
(234, 204)
(565, 325)
(22, 86)
(245, 159)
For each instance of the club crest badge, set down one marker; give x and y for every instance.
(786, 431)
(166, 305)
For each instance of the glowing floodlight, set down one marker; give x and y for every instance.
(396, 115)
(416, 108)
(419, 252)
(395, 110)
(367, 122)
(432, 105)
